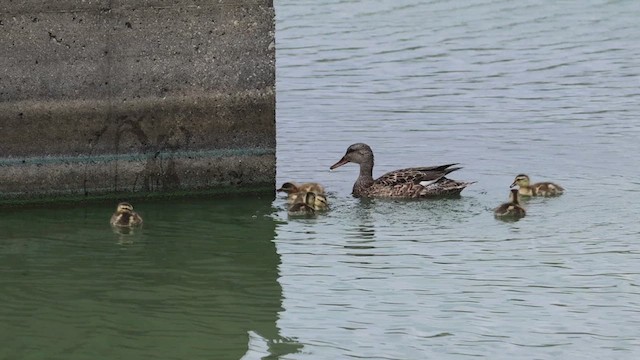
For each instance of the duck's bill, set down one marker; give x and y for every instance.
(512, 185)
(339, 163)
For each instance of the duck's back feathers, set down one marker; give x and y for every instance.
(293, 190)
(445, 187)
(509, 210)
(547, 189)
(308, 204)
(311, 187)
(126, 219)
(415, 175)
(415, 183)
(300, 209)
(512, 209)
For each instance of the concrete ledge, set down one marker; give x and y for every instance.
(136, 96)
(124, 51)
(173, 172)
(92, 127)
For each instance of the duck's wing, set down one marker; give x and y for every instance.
(548, 187)
(136, 219)
(416, 176)
(313, 187)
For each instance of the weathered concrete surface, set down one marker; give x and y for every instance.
(129, 96)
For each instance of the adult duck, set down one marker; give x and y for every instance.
(419, 182)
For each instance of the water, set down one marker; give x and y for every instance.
(500, 87)
(194, 282)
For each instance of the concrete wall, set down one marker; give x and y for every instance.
(112, 97)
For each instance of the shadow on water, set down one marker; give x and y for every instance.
(199, 280)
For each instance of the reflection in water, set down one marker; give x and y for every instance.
(364, 224)
(126, 235)
(196, 282)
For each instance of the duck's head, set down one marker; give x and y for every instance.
(513, 196)
(520, 180)
(289, 188)
(358, 153)
(124, 207)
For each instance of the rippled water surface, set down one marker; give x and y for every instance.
(502, 87)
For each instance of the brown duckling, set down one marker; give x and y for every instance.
(308, 204)
(125, 216)
(537, 189)
(511, 209)
(292, 189)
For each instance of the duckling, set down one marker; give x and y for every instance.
(308, 204)
(293, 190)
(125, 216)
(537, 189)
(320, 202)
(512, 209)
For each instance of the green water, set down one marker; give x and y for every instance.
(195, 282)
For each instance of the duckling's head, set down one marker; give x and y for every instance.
(310, 198)
(520, 180)
(358, 153)
(513, 196)
(124, 207)
(317, 201)
(304, 204)
(289, 188)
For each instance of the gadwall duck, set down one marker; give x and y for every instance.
(537, 189)
(420, 182)
(125, 216)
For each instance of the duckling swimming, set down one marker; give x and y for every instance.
(308, 204)
(125, 216)
(293, 190)
(512, 209)
(320, 202)
(537, 189)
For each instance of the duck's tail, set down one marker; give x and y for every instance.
(447, 187)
